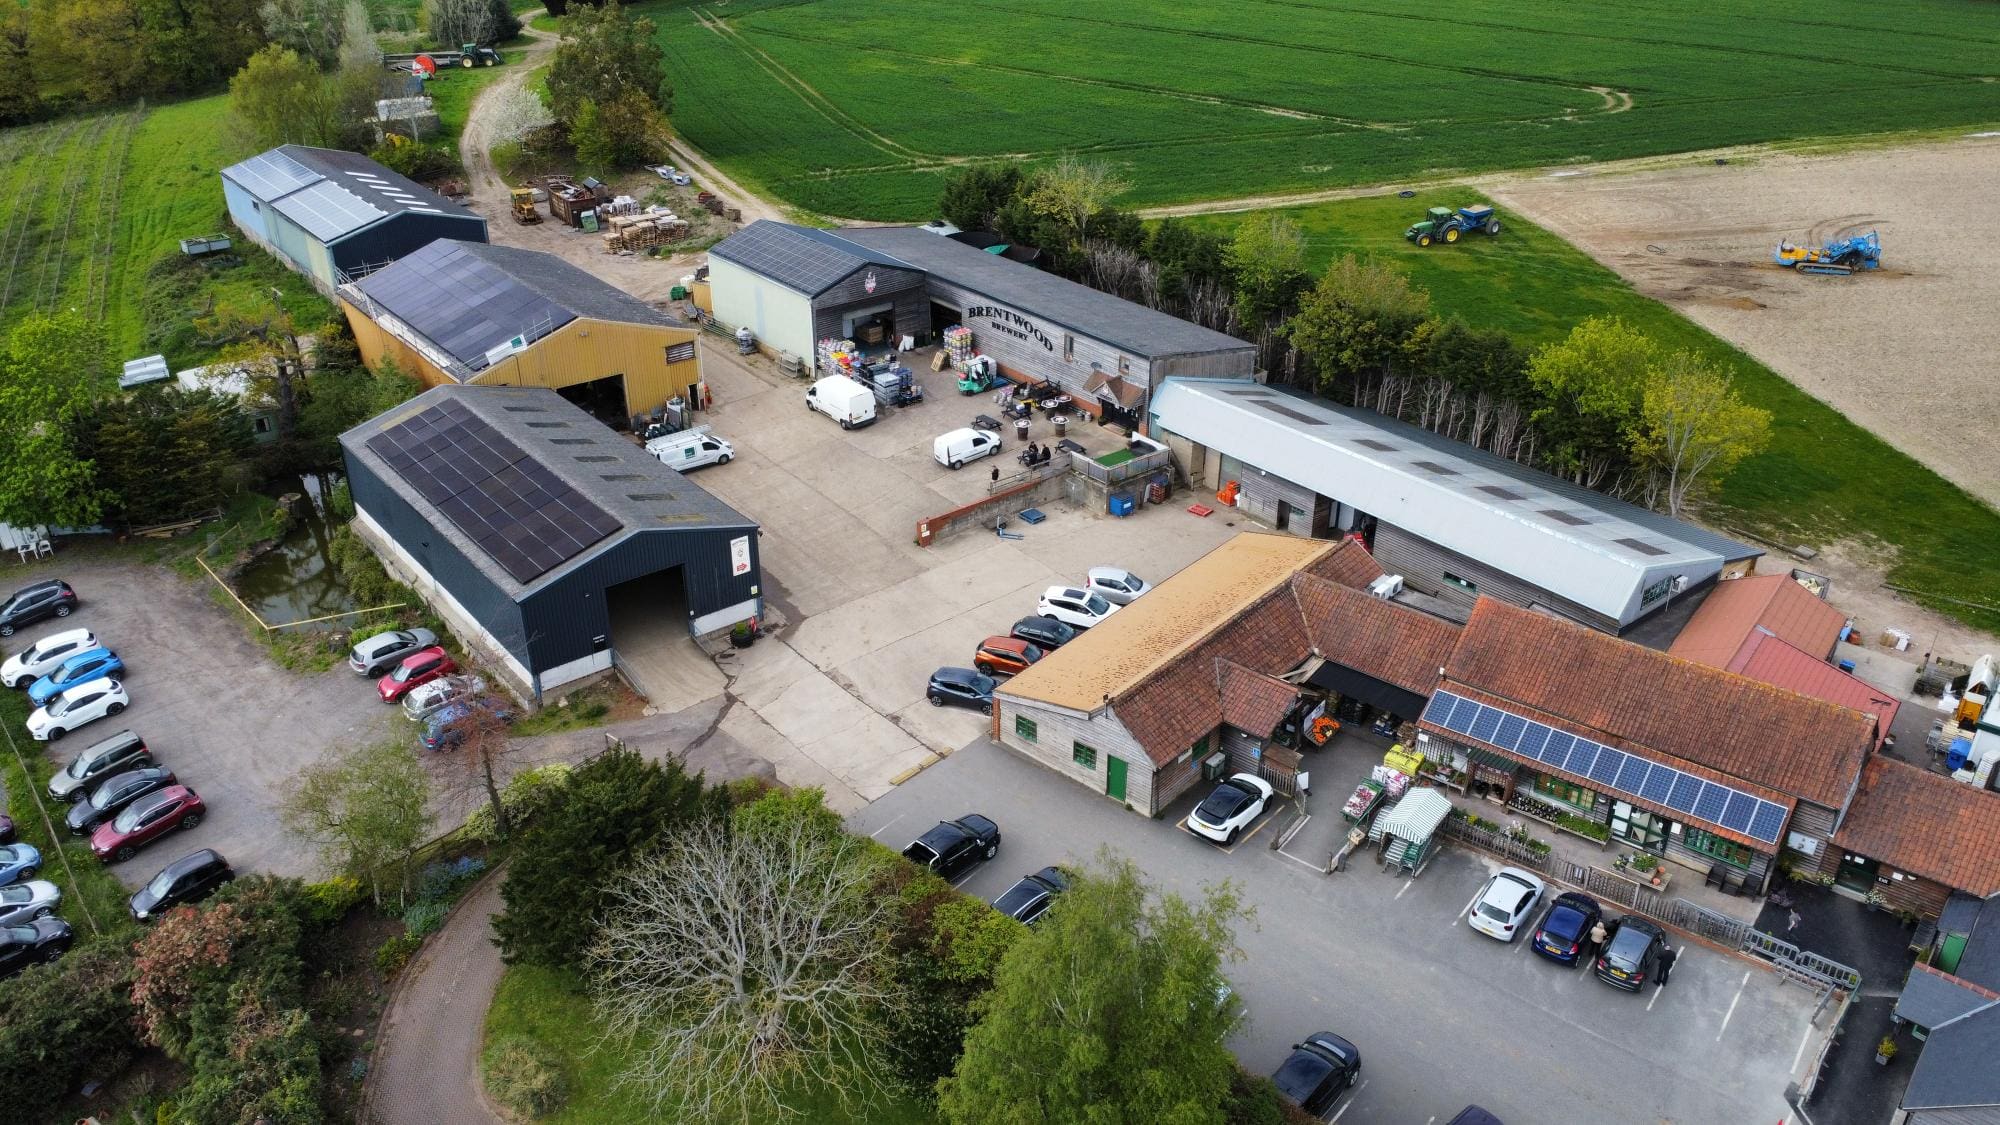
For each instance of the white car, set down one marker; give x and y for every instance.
(84, 703)
(1071, 606)
(384, 651)
(25, 902)
(1118, 585)
(1506, 903)
(44, 656)
(1227, 811)
(426, 700)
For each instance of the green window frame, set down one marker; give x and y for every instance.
(1715, 847)
(1461, 583)
(1568, 792)
(1025, 728)
(1085, 756)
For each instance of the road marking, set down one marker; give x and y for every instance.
(1657, 989)
(1524, 939)
(1407, 884)
(877, 834)
(1350, 1099)
(1801, 1052)
(1732, 1007)
(1307, 864)
(1469, 904)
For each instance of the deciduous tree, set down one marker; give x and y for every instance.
(1591, 384)
(454, 23)
(1355, 323)
(972, 199)
(283, 98)
(626, 132)
(1692, 427)
(1268, 259)
(50, 370)
(366, 808)
(605, 53)
(1072, 191)
(314, 29)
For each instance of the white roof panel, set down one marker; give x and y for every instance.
(272, 175)
(326, 210)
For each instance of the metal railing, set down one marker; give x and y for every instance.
(1145, 464)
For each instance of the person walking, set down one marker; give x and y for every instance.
(1667, 959)
(1598, 936)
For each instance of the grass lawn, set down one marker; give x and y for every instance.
(454, 89)
(1822, 479)
(547, 1007)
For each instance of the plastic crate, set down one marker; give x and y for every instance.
(1121, 505)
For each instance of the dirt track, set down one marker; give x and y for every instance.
(1910, 351)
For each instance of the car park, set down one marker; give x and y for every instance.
(38, 602)
(82, 704)
(1230, 807)
(1046, 633)
(961, 687)
(1071, 606)
(954, 449)
(426, 700)
(1320, 1067)
(25, 902)
(45, 656)
(383, 651)
(41, 941)
(955, 845)
(113, 794)
(1506, 902)
(1566, 927)
(1632, 956)
(1005, 655)
(146, 820)
(445, 729)
(18, 863)
(93, 664)
(1116, 584)
(415, 670)
(190, 878)
(1029, 899)
(122, 751)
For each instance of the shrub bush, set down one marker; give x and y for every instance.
(323, 905)
(392, 955)
(524, 1077)
(525, 796)
(61, 1025)
(425, 917)
(444, 882)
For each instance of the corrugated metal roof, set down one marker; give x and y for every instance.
(1738, 609)
(1414, 817)
(327, 210)
(804, 259)
(1584, 546)
(1772, 660)
(272, 175)
(1931, 997)
(332, 193)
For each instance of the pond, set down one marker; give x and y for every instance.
(297, 581)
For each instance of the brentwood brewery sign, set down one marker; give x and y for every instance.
(1012, 323)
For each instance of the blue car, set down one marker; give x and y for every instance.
(1565, 929)
(440, 731)
(18, 862)
(82, 668)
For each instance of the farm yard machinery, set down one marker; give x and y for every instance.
(1445, 225)
(426, 63)
(524, 206)
(1845, 255)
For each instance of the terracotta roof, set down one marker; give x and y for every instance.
(1927, 824)
(1746, 730)
(1252, 701)
(1740, 609)
(1180, 702)
(1138, 642)
(1770, 659)
(1349, 564)
(1390, 642)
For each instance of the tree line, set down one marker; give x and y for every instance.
(1607, 407)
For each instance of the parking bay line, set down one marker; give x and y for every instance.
(1657, 989)
(1307, 864)
(1732, 1007)
(1356, 1093)
(877, 834)
(1801, 1052)
(1469, 904)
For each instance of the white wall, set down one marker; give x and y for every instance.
(781, 318)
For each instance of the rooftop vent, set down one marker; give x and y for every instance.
(1435, 469)
(1641, 546)
(1560, 516)
(1502, 493)
(1371, 443)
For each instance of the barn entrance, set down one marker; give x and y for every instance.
(651, 646)
(942, 317)
(603, 398)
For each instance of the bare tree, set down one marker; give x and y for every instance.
(743, 963)
(481, 734)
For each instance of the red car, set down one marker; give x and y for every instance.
(145, 820)
(420, 667)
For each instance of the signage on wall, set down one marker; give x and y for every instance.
(868, 283)
(1011, 323)
(739, 556)
(1656, 591)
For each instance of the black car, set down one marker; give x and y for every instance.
(1319, 1069)
(961, 687)
(6, 829)
(122, 751)
(1632, 956)
(34, 603)
(955, 845)
(1566, 927)
(1474, 1115)
(44, 939)
(190, 878)
(1044, 631)
(1029, 899)
(116, 791)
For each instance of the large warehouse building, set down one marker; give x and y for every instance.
(1454, 521)
(466, 312)
(793, 286)
(334, 215)
(547, 542)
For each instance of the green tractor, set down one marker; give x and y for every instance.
(1445, 224)
(472, 54)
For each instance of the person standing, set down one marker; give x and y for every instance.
(1598, 936)
(1667, 959)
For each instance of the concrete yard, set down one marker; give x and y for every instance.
(1444, 1017)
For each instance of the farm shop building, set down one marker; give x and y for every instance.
(793, 286)
(335, 215)
(1455, 522)
(553, 547)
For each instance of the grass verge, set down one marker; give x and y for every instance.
(94, 901)
(1823, 479)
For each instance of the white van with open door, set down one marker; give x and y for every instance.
(843, 400)
(691, 449)
(954, 449)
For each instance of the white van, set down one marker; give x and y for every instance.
(843, 400)
(954, 449)
(691, 449)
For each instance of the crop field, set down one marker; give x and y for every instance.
(61, 191)
(859, 108)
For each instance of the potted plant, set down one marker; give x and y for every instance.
(1885, 1050)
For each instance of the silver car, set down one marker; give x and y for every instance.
(382, 651)
(428, 699)
(25, 902)
(1118, 585)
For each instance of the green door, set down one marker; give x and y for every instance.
(1114, 778)
(1949, 953)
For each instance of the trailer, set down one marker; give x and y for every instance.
(427, 63)
(1442, 224)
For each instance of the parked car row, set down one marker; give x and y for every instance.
(410, 667)
(70, 677)
(1061, 613)
(1631, 954)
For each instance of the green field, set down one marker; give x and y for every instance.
(1822, 479)
(860, 107)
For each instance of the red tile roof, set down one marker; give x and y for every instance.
(1390, 642)
(1252, 701)
(1349, 564)
(1180, 702)
(1770, 659)
(1927, 824)
(1747, 730)
(1743, 608)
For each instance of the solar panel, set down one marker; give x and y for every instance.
(1767, 820)
(1709, 805)
(1632, 773)
(1534, 740)
(326, 210)
(1686, 789)
(1605, 768)
(1658, 784)
(1508, 737)
(1569, 752)
(272, 174)
(1737, 816)
(1485, 723)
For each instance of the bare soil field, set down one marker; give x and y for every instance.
(1910, 351)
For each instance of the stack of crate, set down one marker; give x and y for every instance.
(642, 232)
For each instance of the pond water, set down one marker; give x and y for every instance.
(297, 582)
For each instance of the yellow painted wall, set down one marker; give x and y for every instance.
(376, 344)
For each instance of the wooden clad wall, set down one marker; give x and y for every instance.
(1036, 349)
(1423, 564)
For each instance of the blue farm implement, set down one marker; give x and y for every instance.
(1445, 225)
(1846, 255)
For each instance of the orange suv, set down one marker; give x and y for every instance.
(1004, 656)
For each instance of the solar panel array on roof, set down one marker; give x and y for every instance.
(269, 175)
(326, 210)
(463, 303)
(522, 515)
(793, 257)
(1626, 773)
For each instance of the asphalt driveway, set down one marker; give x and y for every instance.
(1443, 1016)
